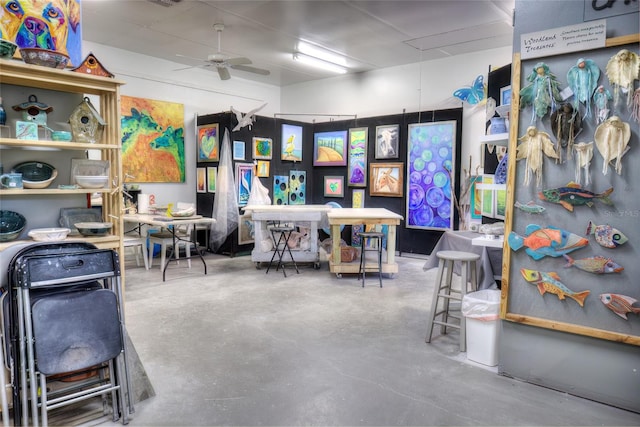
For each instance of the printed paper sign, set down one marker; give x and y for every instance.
(573, 38)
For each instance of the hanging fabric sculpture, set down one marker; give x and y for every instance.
(534, 144)
(584, 154)
(612, 140)
(225, 204)
(582, 79)
(622, 69)
(542, 93)
(635, 111)
(601, 98)
(567, 124)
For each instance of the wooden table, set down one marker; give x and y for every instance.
(171, 223)
(370, 216)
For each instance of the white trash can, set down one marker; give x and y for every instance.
(481, 310)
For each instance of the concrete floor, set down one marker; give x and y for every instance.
(241, 347)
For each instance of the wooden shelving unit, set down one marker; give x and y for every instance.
(17, 73)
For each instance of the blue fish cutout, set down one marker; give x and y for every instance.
(473, 94)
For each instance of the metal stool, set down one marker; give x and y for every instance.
(373, 237)
(284, 232)
(444, 290)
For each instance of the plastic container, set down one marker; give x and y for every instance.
(481, 310)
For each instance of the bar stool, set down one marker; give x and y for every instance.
(373, 237)
(283, 232)
(444, 292)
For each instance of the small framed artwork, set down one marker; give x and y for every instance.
(488, 194)
(244, 178)
(262, 148)
(208, 143)
(500, 196)
(291, 143)
(387, 141)
(505, 95)
(245, 230)
(357, 168)
(26, 130)
(262, 168)
(212, 177)
(238, 150)
(386, 179)
(297, 187)
(330, 148)
(281, 189)
(334, 186)
(201, 180)
(357, 201)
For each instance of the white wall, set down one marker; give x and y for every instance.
(415, 87)
(201, 92)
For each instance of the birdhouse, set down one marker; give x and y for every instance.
(86, 123)
(91, 65)
(34, 111)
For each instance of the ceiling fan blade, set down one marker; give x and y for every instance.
(254, 70)
(224, 73)
(238, 61)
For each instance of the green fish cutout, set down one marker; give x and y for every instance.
(574, 195)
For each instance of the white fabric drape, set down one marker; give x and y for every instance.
(225, 204)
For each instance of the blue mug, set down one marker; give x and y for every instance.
(11, 180)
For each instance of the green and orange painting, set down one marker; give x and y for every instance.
(152, 140)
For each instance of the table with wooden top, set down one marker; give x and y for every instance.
(171, 224)
(368, 216)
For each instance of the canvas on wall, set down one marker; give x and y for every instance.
(152, 140)
(329, 148)
(281, 190)
(297, 187)
(291, 143)
(209, 143)
(387, 141)
(59, 26)
(430, 158)
(357, 168)
(244, 179)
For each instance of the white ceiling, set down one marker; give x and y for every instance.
(371, 34)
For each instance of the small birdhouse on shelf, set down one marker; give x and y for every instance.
(86, 123)
(91, 65)
(34, 111)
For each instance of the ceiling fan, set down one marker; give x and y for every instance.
(222, 63)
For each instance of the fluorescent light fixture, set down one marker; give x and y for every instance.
(318, 63)
(321, 53)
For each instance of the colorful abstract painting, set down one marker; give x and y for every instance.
(280, 190)
(297, 187)
(330, 148)
(201, 180)
(212, 179)
(430, 157)
(209, 143)
(357, 201)
(357, 170)
(262, 148)
(152, 140)
(291, 143)
(58, 25)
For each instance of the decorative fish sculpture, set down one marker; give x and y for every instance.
(606, 235)
(574, 195)
(550, 282)
(550, 241)
(620, 304)
(530, 207)
(595, 264)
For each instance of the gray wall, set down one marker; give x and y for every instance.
(597, 369)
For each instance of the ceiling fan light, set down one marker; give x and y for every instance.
(321, 53)
(318, 63)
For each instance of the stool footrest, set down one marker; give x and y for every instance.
(447, 324)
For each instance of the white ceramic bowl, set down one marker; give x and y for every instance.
(93, 228)
(48, 234)
(90, 181)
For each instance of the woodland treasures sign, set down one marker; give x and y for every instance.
(585, 36)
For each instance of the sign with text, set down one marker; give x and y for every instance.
(573, 38)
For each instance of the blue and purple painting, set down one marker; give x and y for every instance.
(430, 157)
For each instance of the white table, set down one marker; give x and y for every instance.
(489, 267)
(171, 223)
(301, 215)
